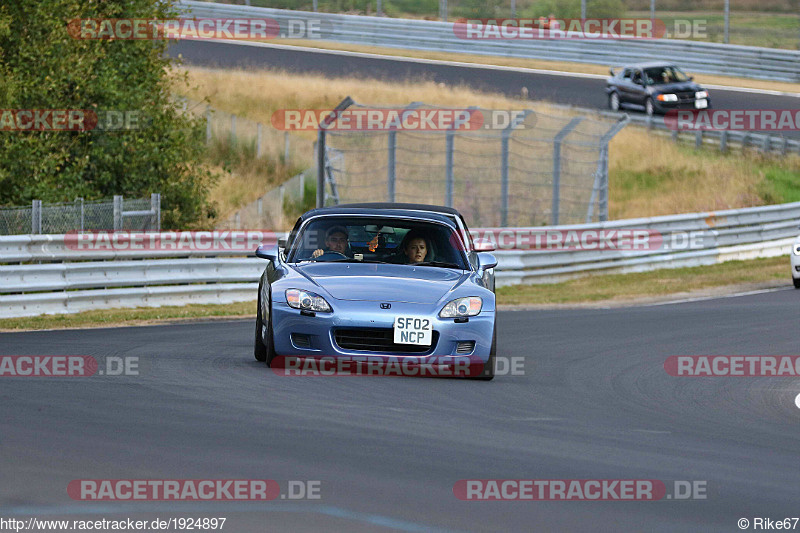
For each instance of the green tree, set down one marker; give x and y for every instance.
(43, 67)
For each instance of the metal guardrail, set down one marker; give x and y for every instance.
(723, 140)
(702, 57)
(42, 275)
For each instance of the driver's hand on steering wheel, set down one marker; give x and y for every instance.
(318, 252)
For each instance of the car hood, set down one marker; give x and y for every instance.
(383, 282)
(677, 87)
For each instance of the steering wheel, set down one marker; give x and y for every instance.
(330, 256)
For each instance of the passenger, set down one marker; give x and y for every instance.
(336, 241)
(415, 246)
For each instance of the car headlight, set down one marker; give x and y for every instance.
(667, 97)
(701, 95)
(797, 249)
(469, 306)
(307, 300)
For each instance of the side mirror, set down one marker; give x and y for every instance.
(611, 71)
(486, 260)
(268, 252)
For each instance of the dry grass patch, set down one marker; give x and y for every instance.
(649, 175)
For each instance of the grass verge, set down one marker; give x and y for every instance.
(657, 283)
(591, 289)
(649, 174)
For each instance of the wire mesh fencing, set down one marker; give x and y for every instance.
(81, 215)
(531, 170)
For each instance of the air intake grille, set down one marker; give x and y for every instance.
(465, 347)
(378, 340)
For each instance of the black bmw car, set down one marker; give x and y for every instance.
(654, 87)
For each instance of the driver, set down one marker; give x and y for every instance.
(335, 241)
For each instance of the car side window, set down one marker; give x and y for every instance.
(627, 74)
(637, 77)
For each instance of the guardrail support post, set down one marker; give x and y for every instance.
(698, 139)
(36, 217)
(675, 136)
(723, 141)
(155, 207)
(559, 138)
(258, 140)
(117, 213)
(767, 147)
(285, 147)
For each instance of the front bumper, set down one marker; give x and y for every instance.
(319, 340)
(682, 104)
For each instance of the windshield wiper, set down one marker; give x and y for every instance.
(438, 264)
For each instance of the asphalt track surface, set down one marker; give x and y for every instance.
(576, 90)
(595, 403)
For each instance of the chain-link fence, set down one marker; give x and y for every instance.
(81, 215)
(538, 169)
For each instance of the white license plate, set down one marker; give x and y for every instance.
(413, 330)
(701, 104)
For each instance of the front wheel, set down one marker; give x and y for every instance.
(613, 101)
(259, 350)
(796, 283)
(488, 368)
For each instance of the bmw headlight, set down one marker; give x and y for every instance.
(469, 306)
(667, 97)
(307, 301)
(700, 95)
(797, 249)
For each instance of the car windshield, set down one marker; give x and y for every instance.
(664, 75)
(378, 240)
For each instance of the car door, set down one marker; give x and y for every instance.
(638, 93)
(624, 87)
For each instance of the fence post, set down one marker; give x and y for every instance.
(286, 148)
(282, 192)
(36, 217)
(391, 175)
(344, 104)
(155, 207)
(117, 213)
(258, 140)
(723, 141)
(504, 179)
(449, 185)
(559, 138)
(602, 214)
(79, 212)
(698, 139)
(233, 129)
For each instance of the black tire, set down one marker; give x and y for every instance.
(270, 345)
(488, 367)
(796, 283)
(259, 350)
(612, 98)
